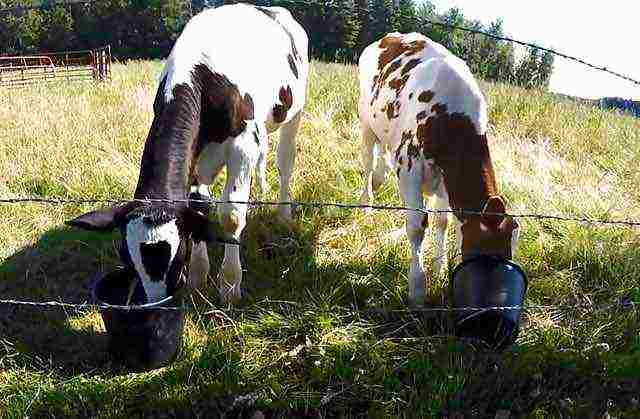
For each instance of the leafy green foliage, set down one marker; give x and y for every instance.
(339, 32)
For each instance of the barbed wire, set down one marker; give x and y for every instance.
(85, 305)
(416, 19)
(421, 20)
(426, 21)
(256, 203)
(622, 303)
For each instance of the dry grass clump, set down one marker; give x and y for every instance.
(310, 337)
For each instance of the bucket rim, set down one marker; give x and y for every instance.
(99, 277)
(506, 261)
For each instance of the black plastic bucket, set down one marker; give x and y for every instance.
(142, 336)
(487, 281)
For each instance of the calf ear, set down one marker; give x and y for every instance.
(105, 219)
(494, 205)
(203, 229)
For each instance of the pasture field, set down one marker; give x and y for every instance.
(306, 341)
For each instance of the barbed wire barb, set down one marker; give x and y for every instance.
(425, 21)
(319, 204)
(532, 307)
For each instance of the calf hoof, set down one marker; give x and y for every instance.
(199, 202)
(365, 200)
(416, 293)
(230, 294)
(229, 280)
(285, 212)
(415, 302)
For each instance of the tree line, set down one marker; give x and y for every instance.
(339, 30)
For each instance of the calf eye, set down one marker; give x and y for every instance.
(155, 258)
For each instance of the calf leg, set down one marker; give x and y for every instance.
(198, 265)
(210, 163)
(286, 160)
(381, 170)
(234, 218)
(410, 186)
(370, 153)
(440, 222)
(261, 166)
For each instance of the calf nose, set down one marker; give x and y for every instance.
(155, 259)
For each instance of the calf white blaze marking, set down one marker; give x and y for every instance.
(139, 232)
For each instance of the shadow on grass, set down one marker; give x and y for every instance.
(58, 267)
(419, 364)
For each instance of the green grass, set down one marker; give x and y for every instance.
(303, 341)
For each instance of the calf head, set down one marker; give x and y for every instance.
(491, 232)
(155, 240)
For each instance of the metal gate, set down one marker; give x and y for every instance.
(25, 70)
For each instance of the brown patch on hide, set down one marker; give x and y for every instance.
(391, 49)
(224, 111)
(425, 221)
(426, 96)
(393, 67)
(439, 108)
(410, 65)
(378, 81)
(273, 15)
(488, 233)
(267, 12)
(421, 115)
(393, 46)
(406, 138)
(389, 110)
(292, 65)
(294, 50)
(398, 84)
(393, 110)
(286, 102)
(463, 156)
(209, 109)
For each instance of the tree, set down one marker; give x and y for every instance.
(404, 18)
(58, 27)
(546, 69)
(380, 18)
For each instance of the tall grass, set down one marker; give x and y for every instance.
(306, 340)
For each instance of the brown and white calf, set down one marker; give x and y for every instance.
(235, 74)
(422, 113)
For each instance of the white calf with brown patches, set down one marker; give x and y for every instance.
(422, 112)
(235, 74)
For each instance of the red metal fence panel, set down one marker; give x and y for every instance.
(18, 71)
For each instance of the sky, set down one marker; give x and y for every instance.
(601, 33)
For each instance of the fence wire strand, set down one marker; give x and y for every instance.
(416, 19)
(319, 204)
(426, 21)
(420, 20)
(622, 303)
